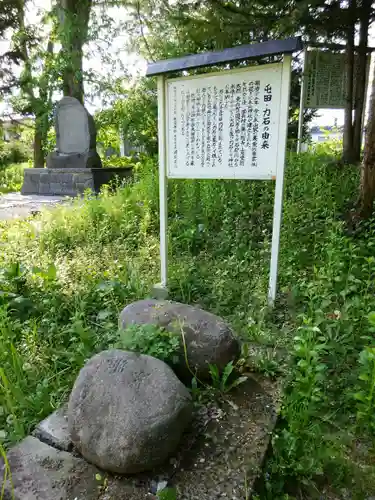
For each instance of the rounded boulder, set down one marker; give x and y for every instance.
(207, 337)
(127, 411)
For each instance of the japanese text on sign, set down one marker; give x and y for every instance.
(224, 125)
(325, 78)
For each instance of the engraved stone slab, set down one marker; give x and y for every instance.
(40, 472)
(72, 127)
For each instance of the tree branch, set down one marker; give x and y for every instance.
(140, 20)
(15, 121)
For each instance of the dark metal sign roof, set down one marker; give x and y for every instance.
(240, 53)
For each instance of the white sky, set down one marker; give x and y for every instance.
(134, 65)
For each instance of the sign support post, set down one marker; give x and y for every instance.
(160, 290)
(301, 104)
(278, 203)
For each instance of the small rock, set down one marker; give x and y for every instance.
(161, 486)
(209, 340)
(53, 430)
(127, 411)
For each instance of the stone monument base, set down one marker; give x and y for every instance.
(74, 160)
(70, 181)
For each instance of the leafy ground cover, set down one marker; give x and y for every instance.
(11, 177)
(66, 275)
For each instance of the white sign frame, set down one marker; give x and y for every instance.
(279, 178)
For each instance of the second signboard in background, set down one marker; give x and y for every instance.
(325, 79)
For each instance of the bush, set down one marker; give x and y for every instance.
(119, 161)
(135, 116)
(11, 177)
(15, 152)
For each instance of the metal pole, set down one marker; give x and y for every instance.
(301, 104)
(278, 204)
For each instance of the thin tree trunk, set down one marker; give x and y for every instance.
(360, 97)
(348, 153)
(39, 104)
(74, 22)
(367, 186)
(27, 86)
(41, 107)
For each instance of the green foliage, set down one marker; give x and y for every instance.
(167, 494)
(135, 116)
(227, 380)
(151, 340)
(365, 396)
(50, 143)
(47, 50)
(119, 161)
(19, 146)
(175, 30)
(7, 474)
(13, 152)
(104, 252)
(108, 136)
(11, 177)
(294, 444)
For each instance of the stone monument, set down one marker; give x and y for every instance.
(75, 137)
(75, 164)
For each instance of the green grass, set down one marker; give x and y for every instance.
(67, 275)
(11, 177)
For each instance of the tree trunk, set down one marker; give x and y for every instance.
(38, 147)
(27, 87)
(367, 186)
(42, 108)
(40, 103)
(360, 97)
(74, 22)
(348, 153)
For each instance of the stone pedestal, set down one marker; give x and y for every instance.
(91, 159)
(70, 181)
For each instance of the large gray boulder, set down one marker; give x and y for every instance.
(127, 412)
(208, 339)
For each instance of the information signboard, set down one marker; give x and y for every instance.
(225, 125)
(325, 79)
